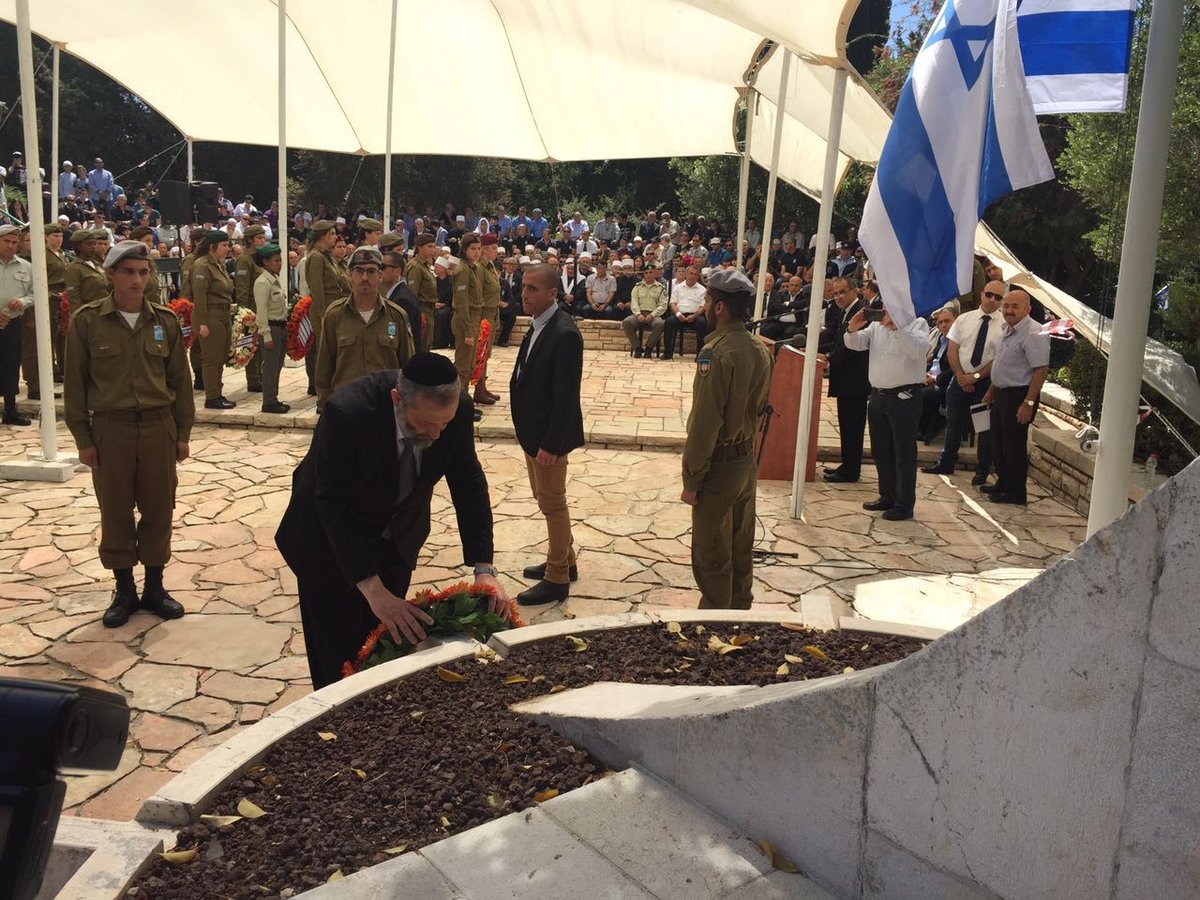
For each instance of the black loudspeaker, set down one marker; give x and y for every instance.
(175, 202)
(204, 202)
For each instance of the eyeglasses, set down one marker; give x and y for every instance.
(364, 270)
(991, 295)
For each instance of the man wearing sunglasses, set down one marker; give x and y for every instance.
(973, 337)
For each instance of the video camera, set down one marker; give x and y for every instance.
(48, 728)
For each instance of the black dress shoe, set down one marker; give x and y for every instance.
(996, 497)
(544, 592)
(637, 352)
(276, 408)
(978, 479)
(198, 384)
(987, 488)
(124, 604)
(937, 469)
(896, 514)
(219, 403)
(477, 414)
(312, 391)
(877, 505)
(836, 477)
(34, 395)
(162, 604)
(15, 418)
(537, 573)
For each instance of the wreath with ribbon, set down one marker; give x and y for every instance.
(459, 609)
(299, 329)
(245, 337)
(183, 312)
(481, 349)
(64, 314)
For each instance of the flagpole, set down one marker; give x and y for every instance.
(387, 155)
(744, 176)
(833, 141)
(773, 179)
(1135, 289)
(281, 227)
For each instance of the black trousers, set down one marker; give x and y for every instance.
(674, 327)
(892, 418)
(337, 618)
(1010, 440)
(10, 358)
(958, 414)
(508, 318)
(932, 398)
(442, 338)
(852, 425)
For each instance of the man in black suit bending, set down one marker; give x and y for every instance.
(548, 420)
(360, 507)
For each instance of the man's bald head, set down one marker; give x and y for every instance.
(1015, 306)
(992, 295)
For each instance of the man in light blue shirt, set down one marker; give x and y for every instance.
(101, 187)
(66, 180)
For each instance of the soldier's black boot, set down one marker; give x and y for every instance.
(12, 416)
(155, 598)
(124, 600)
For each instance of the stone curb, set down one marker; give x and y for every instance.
(897, 629)
(95, 859)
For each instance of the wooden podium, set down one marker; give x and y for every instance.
(779, 451)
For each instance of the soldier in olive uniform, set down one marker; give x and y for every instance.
(212, 294)
(362, 333)
(129, 406)
(85, 281)
(490, 290)
(245, 272)
(733, 378)
(143, 234)
(199, 248)
(326, 283)
(56, 276)
(422, 281)
(468, 308)
(372, 231)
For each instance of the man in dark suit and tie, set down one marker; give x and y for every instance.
(393, 287)
(848, 381)
(510, 299)
(937, 379)
(548, 421)
(360, 507)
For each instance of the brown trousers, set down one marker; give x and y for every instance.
(464, 354)
(214, 351)
(136, 469)
(549, 487)
(723, 535)
(426, 328)
(492, 315)
(254, 370)
(29, 350)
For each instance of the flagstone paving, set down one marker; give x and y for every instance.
(239, 653)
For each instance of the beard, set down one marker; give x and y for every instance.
(710, 316)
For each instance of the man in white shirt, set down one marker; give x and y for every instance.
(753, 236)
(896, 369)
(585, 244)
(601, 287)
(66, 180)
(578, 225)
(686, 311)
(246, 208)
(973, 338)
(607, 231)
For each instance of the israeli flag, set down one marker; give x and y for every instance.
(1076, 53)
(964, 135)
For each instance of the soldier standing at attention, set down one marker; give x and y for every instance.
(56, 272)
(199, 248)
(84, 279)
(468, 306)
(326, 283)
(245, 272)
(16, 296)
(490, 310)
(422, 281)
(270, 311)
(372, 231)
(212, 294)
(128, 405)
(362, 333)
(733, 378)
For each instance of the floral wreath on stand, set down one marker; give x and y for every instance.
(481, 349)
(460, 609)
(245, 337)
(64, 314)
(299, 329)
(183, 312)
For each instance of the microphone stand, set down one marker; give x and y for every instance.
(763, 431)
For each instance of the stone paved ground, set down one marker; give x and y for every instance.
(238, 654)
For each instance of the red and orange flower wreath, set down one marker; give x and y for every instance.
(460, 609)
(299, 329)
(183, 312)
(64, 314)
(481, 349)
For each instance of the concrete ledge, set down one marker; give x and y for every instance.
(55, 472)
(752, 616)
(898, 629)
(504, 641)
(94, 858)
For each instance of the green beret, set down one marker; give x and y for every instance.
(370, 225)
(321, 225)
(53, 229)
(79, 235)
(390, 240)
(253, 231)
(215, 236)
(266, 251)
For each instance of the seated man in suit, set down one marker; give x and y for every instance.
(548, 421)
(937, 379)
(790, 304)
(360, 507)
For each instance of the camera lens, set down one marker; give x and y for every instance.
(78, 729)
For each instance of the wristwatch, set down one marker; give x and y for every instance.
(975, 375)
(1029, 403)
(486, 570)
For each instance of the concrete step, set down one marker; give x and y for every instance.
(626, 837)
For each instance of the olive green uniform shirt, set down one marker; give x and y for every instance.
(351, 348)
(185, 276)
(326, 282)
(648, 299)
(422, 282)
(56, 274)
(212, 292)
(245, 273)
(468, 297)
(489, 286)
(729, 394)
(85, 283)
(110, 367)
(153, 292)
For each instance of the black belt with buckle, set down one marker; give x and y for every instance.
(726, 452)
(897, 390)
(135, 415)
(280, 322)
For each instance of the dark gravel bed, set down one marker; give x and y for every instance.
(438, 752)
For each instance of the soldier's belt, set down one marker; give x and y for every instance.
(134, 415)
(726, 452)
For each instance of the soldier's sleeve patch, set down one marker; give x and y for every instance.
(704, 363)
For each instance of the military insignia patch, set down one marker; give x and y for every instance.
(704, 364)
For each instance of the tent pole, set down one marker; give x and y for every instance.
(744, 177)
(191, 172)
(824, 223)
(281, 159)
(773, 179)
(387, 153)
(1127, 349)
(57, 164)
(37, 234)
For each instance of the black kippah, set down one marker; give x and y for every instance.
(430, 370)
